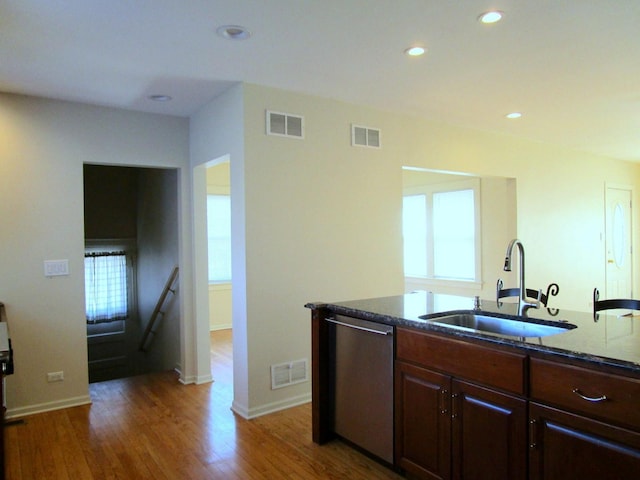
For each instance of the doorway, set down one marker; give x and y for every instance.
(131, 223)
(219, 242)
(618, 242)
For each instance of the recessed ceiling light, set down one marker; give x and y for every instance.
(160, 98)
(415, 51)
(233, 32)
(513, 115)
(491, 17)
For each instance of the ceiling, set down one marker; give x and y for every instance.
(572, 67)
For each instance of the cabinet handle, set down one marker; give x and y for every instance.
(589, 399)
(532, 434)
(384, 331)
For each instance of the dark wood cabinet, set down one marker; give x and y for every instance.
(586, 391)
(566, 446)
(489, 433)
(423, 422)
(584, 423)
(447, 427)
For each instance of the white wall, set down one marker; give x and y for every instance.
(43, 145)
(322, 224)
(216, 131)
(220, 301)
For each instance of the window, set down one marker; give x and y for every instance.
(106, 286)
(454, 235)
(441, 232)
(414, 232)
(219, 237)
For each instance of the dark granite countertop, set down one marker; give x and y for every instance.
(612, 340)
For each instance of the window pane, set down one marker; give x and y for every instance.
(454, 235)
(105, 277)
(414, 232)
(219, 236)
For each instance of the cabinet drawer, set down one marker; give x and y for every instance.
(608, 397)
(491, 367)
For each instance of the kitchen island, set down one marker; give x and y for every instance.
(558, 406)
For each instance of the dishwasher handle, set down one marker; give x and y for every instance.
(384, 329)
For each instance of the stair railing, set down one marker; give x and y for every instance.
(158, 309)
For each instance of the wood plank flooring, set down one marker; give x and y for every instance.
(152, 427)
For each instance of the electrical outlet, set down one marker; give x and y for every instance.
(55, 377)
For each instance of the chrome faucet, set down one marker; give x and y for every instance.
(523, 302)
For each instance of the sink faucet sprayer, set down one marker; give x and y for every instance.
(523, 302)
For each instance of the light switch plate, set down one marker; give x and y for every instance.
(55, 377)
(54, 268)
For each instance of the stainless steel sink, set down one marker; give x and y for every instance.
(520, 327)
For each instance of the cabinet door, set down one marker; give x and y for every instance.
(567, 446)
(423, 423)
(489, 431)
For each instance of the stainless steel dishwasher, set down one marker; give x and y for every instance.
(363, 382)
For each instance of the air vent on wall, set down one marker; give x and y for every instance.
(285, 124)
(365, 136)
(288, 373)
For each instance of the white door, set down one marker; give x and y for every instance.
(619, 268)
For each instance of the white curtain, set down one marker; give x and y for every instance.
(105, 276)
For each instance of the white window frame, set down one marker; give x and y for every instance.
(430, 280)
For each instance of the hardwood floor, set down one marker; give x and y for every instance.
(152, 427)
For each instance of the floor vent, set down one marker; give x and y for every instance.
(365, 136)
(289, 373)
(285, 124)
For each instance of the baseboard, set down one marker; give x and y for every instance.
(47, 407)
(191, 379)
(270, 407)
(224, 326)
